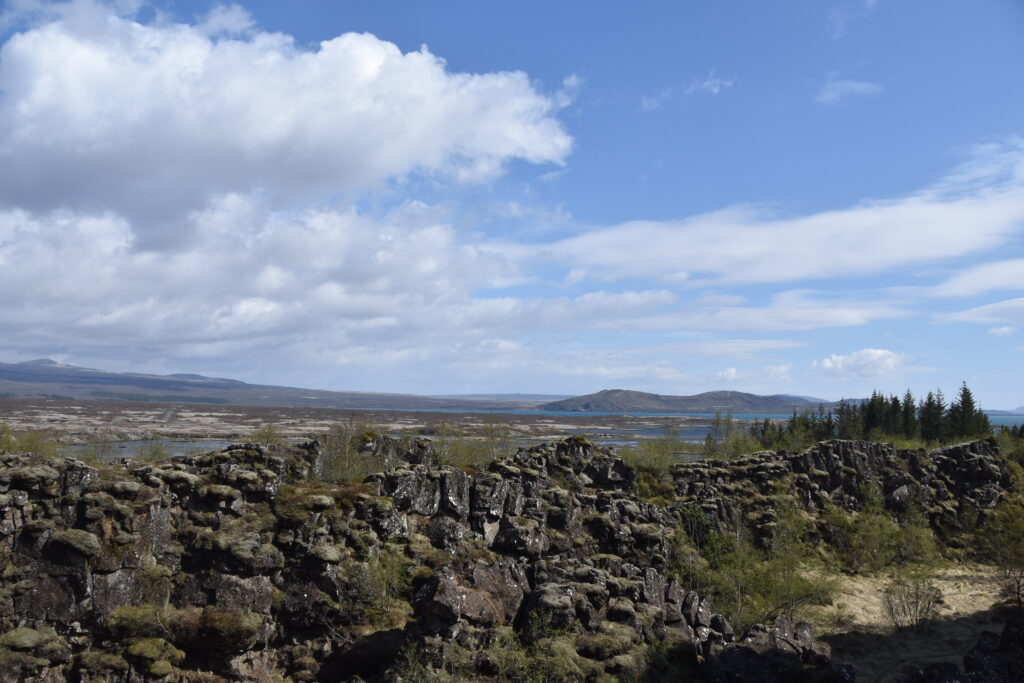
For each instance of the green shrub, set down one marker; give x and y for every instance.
(750, 586)
(655, 457)
(461, 450)
(99, 448)
(345, 456)
(268, 434)
(376, 585)
(915, 540)
(33, 441)
(152, 451)
(1001, 541)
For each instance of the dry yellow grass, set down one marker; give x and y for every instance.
(856, 628)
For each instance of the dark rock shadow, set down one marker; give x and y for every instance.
(892, 657)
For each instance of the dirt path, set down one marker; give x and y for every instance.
(860, 634)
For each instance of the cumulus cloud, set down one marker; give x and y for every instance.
(320, 284)
(151, 121)
(195, 186)
(837, 91)
(863, 363)
(227, 19)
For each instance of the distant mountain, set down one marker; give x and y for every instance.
(616, 400)
(808, 399)
(48, 378)
(509, 397)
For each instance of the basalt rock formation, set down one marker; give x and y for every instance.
(244, 565)
(943, 482)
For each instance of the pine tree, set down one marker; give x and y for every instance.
(964, 417)
(892, 421)
(848, 425)
(932, 412)
(909, 416)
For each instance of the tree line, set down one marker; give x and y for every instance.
(881, 417)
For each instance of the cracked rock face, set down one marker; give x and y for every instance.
(241, 565)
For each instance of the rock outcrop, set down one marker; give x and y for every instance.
(242, 565)
(943, 483)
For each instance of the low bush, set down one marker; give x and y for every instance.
(910, 599)
(1001, 542)
(268, 434)
(346, 456)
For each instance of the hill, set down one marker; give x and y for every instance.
(621, 400)
(50, 379)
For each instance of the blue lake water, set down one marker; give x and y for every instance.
(627, 435)
(996, 420)
(116, 450)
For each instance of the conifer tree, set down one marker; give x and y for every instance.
(909, 416)
(932, 411)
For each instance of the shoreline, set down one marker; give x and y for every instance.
(75, 421)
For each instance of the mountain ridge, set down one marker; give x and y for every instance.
(614, 400)
(48, 378)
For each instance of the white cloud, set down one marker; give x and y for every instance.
(227, 19)
(710, 84)
(1004, 331)
(1008, 311)
(837, 91)
(101, 113)
(971, 211)
(652, 102)
(738, 348)
(728, 375)
(769, 373)
(985, 277)
(863, 363)
(790, 310)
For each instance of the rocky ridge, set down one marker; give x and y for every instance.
(244, 565)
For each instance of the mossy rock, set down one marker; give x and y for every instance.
(36, 527)
(160, 668)
(231, 628)
(156, 649)
(318, 502)
(126, 489)
(220, 492)
(24, 639)
(179, 479)
(627, 667)
(13, 663)
(136, 621)
(101, 662)
(331, 554)
(82, 542)
(602, 646)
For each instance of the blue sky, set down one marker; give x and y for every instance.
(818, 198)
